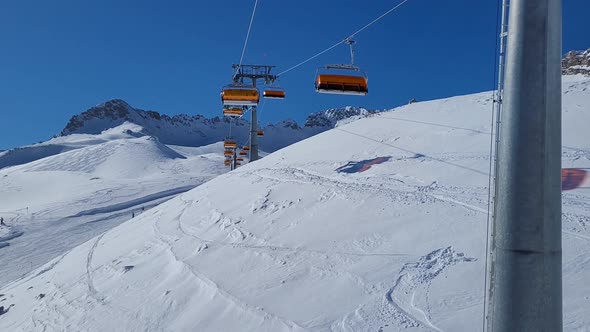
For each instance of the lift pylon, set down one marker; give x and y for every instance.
(250, 75)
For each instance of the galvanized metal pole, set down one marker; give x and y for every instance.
(253, 130)
(526, 289)
(253, 133)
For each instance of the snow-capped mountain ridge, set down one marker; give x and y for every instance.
(167, 128)
(197, 130)
(333, 116)
(181, 129)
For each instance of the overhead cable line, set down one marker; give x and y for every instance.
(247, 36)
(345, 39)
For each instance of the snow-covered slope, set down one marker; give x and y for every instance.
(60, 201)
(376, 225)
(57, 145)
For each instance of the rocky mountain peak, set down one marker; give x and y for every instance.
(576, 62)
(115, 109)
(331, 117)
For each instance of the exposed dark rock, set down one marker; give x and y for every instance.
(576, 62)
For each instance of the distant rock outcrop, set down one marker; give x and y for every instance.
(331, 117)
(576, 62)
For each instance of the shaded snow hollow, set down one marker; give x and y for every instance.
(290, 244)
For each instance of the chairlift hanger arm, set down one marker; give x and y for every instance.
(350, 43)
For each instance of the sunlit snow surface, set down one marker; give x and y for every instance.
(290, 244)
(58, 202)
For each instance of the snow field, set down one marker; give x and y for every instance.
(287, 243)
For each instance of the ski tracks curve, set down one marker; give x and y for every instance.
(398, 306)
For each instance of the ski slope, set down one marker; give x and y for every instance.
(98, 181)
(376, 225)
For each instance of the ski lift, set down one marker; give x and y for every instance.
(243, 153)
(260, 133)
(238, 164)
(227, 162)
(228, 153)
(273, 92)
(239, 95)
(246, 148)
(240, 159)
(230, 143)
(342, 79)
(233, 112)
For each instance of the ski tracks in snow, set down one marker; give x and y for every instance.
(394, 188)
(91, 289)
(205, 282)
(398, 307)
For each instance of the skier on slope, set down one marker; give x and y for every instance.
(2, 221)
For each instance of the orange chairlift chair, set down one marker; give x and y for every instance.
(239, 95)
(233, 112)
(230, 143)
(342, 79)
(273, 91)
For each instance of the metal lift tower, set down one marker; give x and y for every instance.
(253, 73)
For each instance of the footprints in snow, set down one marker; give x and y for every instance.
(265, 205)
(578, 223)
(229, 225)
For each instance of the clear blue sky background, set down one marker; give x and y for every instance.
(61, 57)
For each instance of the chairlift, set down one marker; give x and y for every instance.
(273, 92)
(246, 148)
(260, 133)
(228, 153)
(342, 79)
(229, 143)
(239, 95)
(227, 162)
(243, 153)
(233, 112)
(240, 159)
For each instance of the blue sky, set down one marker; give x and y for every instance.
(61, 57)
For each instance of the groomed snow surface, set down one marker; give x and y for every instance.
(288, 243)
